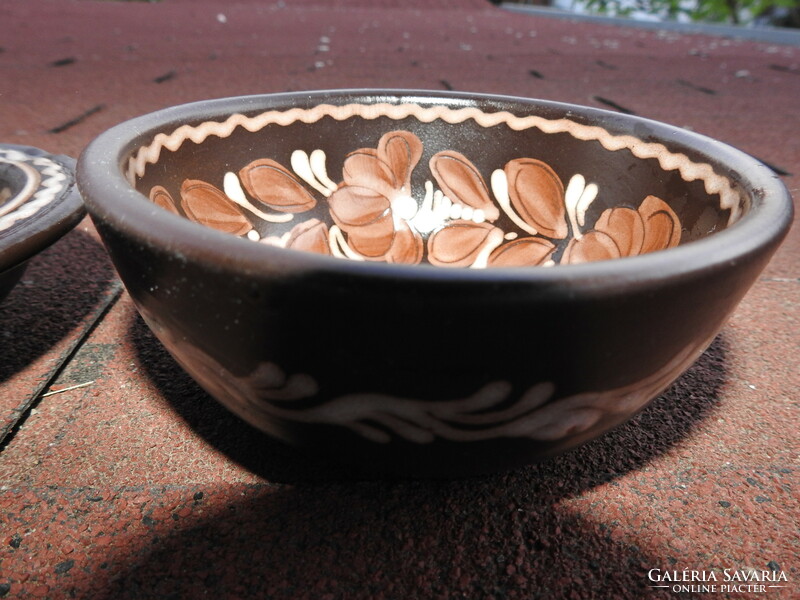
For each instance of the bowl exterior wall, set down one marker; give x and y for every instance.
(436, 380)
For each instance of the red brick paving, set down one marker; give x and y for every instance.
(140, 486)
(48, 315)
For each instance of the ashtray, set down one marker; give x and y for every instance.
(39, 203)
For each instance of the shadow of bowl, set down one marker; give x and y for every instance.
(485, 538)
(323, 535)
(59, 291)
(60, 287)
(327, 536)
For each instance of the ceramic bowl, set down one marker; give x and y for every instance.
(429, 284)
(39, 203)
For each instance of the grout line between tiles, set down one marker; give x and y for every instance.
(24, 410)
(781, 279)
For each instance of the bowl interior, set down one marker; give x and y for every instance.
(437, 183)
(12, 181)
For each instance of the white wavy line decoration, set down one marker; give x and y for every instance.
(669, 161)
(51, 185)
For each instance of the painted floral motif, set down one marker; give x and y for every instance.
(374, 203)
(44, 181)
(268, 395)
(525, 216)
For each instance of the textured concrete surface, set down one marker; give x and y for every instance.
(138, 485)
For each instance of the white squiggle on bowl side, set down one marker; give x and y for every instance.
(266, 396)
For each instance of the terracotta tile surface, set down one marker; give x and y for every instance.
(138, 485)
(46, 318)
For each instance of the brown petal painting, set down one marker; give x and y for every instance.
(270, 183)
(525, 252)
(662, 228)
(207, 205)
(354, 205)
(537, 194)
(460, 181)
(625, 226)
(591, 247)
(366, 217)
(401, 150)
(373, 240)
(364, 168)
(161, 197)
(407, 247)
(311, 236)
(459, 244)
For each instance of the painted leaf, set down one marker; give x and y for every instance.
(524, 252)
(160, 196)
(357, 206)
(461, 182)
(207, 205)
(662, 228)
(592, 246)
(373, 240)
(401, 150)
(537, 194)
(407, 247)
(270, 183)
(311, 236)
(460, 243)
(625, 226)
(363, 168)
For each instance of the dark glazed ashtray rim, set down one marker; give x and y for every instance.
(110, 195)
(36, 231)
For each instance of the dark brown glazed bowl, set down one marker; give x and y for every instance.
(263, 241)
(39, 203)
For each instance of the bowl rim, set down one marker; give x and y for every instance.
(108, 196)
(36, 232)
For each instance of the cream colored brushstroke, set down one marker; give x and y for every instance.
(339, 247)
(587, 197)
(233, 190)
(499, 182)
(274, 240)
(572, 197)
(493, 240)
(301, 164)
(426, 220)
(318, 160)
